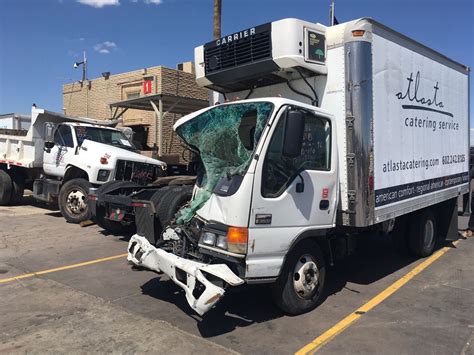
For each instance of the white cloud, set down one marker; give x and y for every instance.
(105, 47)
(156, 2)
(99, 3)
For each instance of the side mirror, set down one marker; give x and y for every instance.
(294, 131)
(49, 129)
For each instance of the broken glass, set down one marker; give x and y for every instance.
(226, 137)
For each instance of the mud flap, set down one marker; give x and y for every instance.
(201, 294)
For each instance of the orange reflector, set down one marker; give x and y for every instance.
(358, 33)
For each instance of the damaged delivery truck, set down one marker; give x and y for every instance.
(327, 132)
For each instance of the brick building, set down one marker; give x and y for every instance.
(136, 97)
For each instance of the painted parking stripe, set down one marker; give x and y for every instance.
(337, 329)
(62, 268)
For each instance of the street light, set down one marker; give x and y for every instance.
(84, 67)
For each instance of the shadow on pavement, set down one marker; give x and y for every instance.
(28, 200)
(375, 259)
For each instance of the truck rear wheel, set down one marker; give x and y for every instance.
(18, 189)
(299, 287)
(73, 200)
(422, 233)
(168, 201)
(6, 188)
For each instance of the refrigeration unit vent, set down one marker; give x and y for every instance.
(263, 55)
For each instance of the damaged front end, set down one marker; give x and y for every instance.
(203, 283)
(204, 252)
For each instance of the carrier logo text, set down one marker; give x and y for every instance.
(236, 36)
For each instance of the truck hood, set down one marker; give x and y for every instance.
(115, 153)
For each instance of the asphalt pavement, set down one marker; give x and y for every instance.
(89, 299)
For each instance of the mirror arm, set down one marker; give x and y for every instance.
(300, 185)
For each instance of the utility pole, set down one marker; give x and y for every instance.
(217, 18)
(84, 67)
(331, 14)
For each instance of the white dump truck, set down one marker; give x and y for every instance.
(325, 133)
(60, 157)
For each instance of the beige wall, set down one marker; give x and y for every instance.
(92, 98)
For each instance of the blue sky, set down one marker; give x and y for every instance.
(41, 39)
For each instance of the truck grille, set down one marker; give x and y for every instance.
(239, 52)
(141, 173)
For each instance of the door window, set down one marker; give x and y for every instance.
(63, 136)
(279, 171)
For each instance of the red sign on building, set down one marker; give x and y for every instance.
(146, 87)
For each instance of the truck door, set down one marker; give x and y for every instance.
(291, 196)
(55, 159)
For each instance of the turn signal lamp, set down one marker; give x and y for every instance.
(237, 239)
(358, 33)
(103, 160)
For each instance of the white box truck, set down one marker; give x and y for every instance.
(326, 133)
(60, 157)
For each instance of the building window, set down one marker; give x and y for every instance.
(133, 95)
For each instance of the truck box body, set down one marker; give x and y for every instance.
(15, 121)
(401, 110)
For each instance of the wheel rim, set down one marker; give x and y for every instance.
(76, 202)
(429, 233)
(306, 276)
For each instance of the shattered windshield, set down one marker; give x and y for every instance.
(103, 135)
(225, 137)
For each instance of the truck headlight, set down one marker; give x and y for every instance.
(103, 175)
(209, 238)
(221, 242)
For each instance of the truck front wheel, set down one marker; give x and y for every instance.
(73, 200)
(299, 287)
(422, 233)
(5, 188)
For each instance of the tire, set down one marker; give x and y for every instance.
(168, 202)
(290, 293)
(18, 189)
(73, 200)
(6, 187)
(422, 233)
(115, 227)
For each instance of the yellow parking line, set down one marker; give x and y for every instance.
(67, 267)
(334, 331)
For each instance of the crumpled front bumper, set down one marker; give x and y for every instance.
(184, 273)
